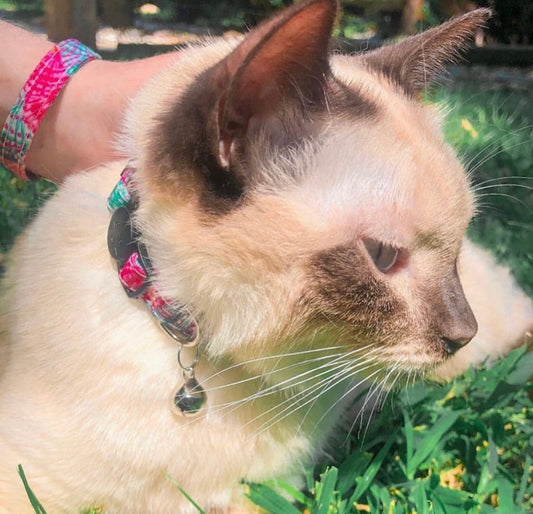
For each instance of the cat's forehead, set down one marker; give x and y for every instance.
(389, 171)
(377, 160)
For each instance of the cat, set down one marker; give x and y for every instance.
(304, 216)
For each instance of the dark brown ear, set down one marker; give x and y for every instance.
(414, 62)
(267, 88)
(282, 60)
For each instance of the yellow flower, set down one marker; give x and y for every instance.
(469, 128)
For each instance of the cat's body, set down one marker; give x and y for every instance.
(271, 191)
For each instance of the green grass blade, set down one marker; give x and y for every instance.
(524, 481)
(439, 507)
(431, 441)
(290, 490)
(372, 470)
(505, 498)
(522, 371)
(350, 469)
(37, 507)
(492, 456)
(409, 436)
(182, 491)
(420, 497)
(270, 500)
(487, 485)
(325, 498)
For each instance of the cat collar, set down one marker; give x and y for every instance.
(135, 273)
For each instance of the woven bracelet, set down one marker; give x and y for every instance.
(40, 90)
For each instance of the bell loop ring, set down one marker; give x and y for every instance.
(179, 337)
(189, 368)
(188, 374)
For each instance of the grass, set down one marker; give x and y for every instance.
(19, 202)
(493, 131)
(464, 447)
(460, 448)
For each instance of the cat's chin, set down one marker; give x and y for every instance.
(421, 359)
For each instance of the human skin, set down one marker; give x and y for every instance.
(78, 130)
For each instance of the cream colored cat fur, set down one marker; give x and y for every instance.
(309, 212)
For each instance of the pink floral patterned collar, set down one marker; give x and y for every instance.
(136, 275)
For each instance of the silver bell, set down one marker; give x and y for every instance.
(189, 399)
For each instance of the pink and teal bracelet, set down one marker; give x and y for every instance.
(40, 90)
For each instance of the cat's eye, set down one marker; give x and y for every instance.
(383, 255)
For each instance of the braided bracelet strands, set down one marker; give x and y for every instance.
(40, 90)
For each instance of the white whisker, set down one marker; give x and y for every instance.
(494, 186)
(270, 357)
(294, 381)
(289, 409)
(508, 196)
(491, 155)
(349, 392)
(262, 376)
(498, 179)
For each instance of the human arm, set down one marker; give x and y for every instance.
(78, 129)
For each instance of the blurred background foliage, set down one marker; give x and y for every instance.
(512, 23)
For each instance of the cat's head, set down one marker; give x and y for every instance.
(287, 194)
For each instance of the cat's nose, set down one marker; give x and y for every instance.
(456, 321)
(452, 346)
(459, 328)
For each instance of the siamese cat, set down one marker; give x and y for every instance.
(302, 216)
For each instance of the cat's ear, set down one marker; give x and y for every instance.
(414, 62)
(254, 101)
(283, 60)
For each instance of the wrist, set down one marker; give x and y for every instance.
(77, 127)
(80, 128)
